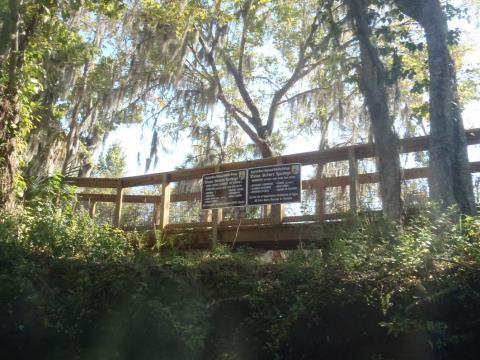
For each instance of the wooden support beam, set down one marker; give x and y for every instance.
(320, 203)
(266, 211)
(277, 211)
(92, 208)
(137, 199)
(164, 207)
(320, 191)
(217, 217)
(92, 182)
(207, 216)
(354, 180)
(156, 214)
(117, 217)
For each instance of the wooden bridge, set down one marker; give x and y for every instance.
(272, 229)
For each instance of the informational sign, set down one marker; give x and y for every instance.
(275, 184)
(224, 189)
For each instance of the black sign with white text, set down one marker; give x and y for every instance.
(274, 184)
(224, 189)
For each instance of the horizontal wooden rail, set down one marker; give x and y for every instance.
(314, 184)
(220, 227)
(360, 151)
(140, 199)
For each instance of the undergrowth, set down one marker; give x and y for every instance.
(72, 289)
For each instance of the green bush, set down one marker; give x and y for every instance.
(374, 290)
(48, 225)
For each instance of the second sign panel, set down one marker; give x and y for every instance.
(274, 184)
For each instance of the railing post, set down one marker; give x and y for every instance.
(277, 210)
(354, 184)
(118, 205)
(92, 208)
(266, 211)
(320, 203)
(163, 211)
(208, 216)
(217, 217)
(156, 213)
(320, 190)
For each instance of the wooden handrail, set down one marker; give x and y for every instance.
(361, 151)
(214, 219)
(313, 184)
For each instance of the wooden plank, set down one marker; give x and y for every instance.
(277, 210)
(368, 178)
(117, 217)
(320, 203)
(92, 182)
(147, 199)
(217, 217)
(254, 234)
(156, 214)
(237, 222)
(300, 218)
(164, 213)
(150, 199)
(92, 208)
(193, 225)
(207, 216)
(179, 197)
(353, 177)
(139, 199)
(320, 192)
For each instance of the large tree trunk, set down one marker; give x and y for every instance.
(45, 149)
(73, 145)
(9, 108)
(73, 136)
(46, 141)
(451, 181)
(373, 85)
(9, 120)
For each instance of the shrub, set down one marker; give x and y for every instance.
(48, 225)
(72, 289)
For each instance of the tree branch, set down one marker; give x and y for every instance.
(294, 77)
(245, 11)
(300, 94)
(255, 119)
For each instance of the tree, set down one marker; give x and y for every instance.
(28, 28)
(17, 86)
(113, 163)
(229, 63)
(114, 70)
(451, 181)
(117, 87)
(373, 83)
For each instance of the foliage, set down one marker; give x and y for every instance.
(113, 164)
(73, 289)
(49, 226)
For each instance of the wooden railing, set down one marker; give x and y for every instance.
(214, 218)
